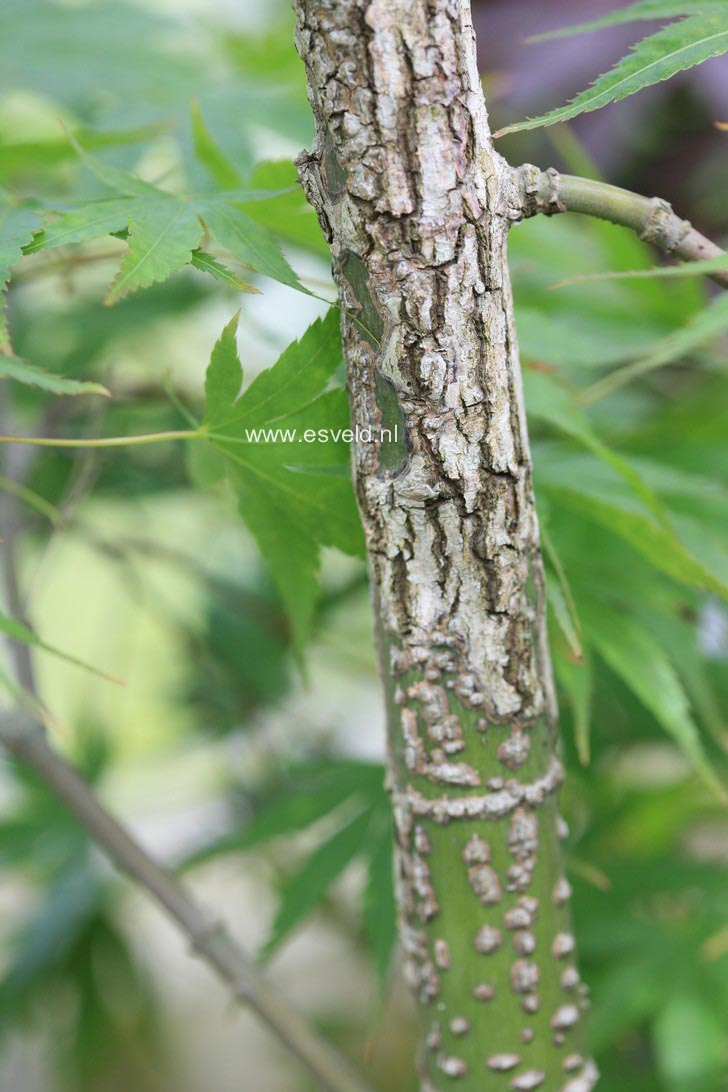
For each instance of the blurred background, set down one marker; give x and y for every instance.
(217, 750)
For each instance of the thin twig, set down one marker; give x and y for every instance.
(104, 441)
(650, 217)
(208, 936)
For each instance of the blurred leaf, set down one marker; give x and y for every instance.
(658, 272)
(635, 656)
(288, 215)
(380, 911)
(560, 596)
(16, 631)
(577, 339)
(578, 483)
(209, 153)
(310, 792)
(658, 57)
(577, 679)
(704, 326)
(690, 1043)
(32, 499)
(46, 937)
(17, 227)
(634, 13)
(628, 993)
(564, 615)
(32, 376)
(97, 57)
(547, 399)
(37, 158)
(303, 891)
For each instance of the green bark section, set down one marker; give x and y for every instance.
(502, 1020)
(493, 969)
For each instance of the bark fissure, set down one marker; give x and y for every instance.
(417, 205)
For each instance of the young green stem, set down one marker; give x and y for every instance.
(650, 217)
(106, 441)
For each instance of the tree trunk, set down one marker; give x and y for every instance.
(416, 205)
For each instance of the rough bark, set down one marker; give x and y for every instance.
(416, 205)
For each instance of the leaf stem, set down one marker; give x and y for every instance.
(106, 441)
(651, 218)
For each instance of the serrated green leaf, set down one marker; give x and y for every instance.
(635, 656)
(290, 550)
(656, 58)
(207, 264)
(317, 498)
(160, 242)
(300, 374)
(294, 495)
(644, 10)
(165, 228)
(18, 224)
(94, 219)
(303, 891)
(291, 554)
(224, 375)
(702, 327)
(31, 375)
(247, 241)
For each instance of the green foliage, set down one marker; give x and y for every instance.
(628, 408)
(20, 633)
(294, 495)
(345, 804)
(676, 47)
(33, 376)
(163, 229)
(631, 651)
(705, 325)
(17, 227)
(68, 947)
(635, 13)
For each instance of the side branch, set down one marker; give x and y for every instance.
(651, 218)
(208, 936)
